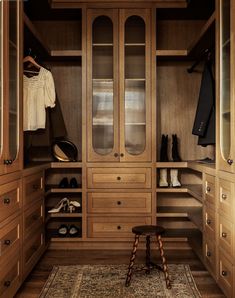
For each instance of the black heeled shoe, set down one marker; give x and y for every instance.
(73, 183)
(64, 183)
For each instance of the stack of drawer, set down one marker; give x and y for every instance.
(10, 237)
(209, 223)
(33, 220)
(226, 221)
(114, 205)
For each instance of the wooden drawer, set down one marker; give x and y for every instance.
(119, 202)
(226, 236)
(209, 221)
(226, 198)
(10, 199)
(10, 277)
(114, 226)
(209, 189)
(33, 218)
(209, 251)
(32, 251)
(226, 275)
(10, 239)
(33, 188)
(119, 177)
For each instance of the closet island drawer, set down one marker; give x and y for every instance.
(33, 188)
(10, 199)
(10, 277)
(119, 177)
(119, 202)
(114, 226)
(209, 189)
(226, 197)
(10, 239)
(226, 275)
(226, 236)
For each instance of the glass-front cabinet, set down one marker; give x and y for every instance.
(226, 94)
(10, 18)
(119, 113)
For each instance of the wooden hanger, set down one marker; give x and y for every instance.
(31, 60)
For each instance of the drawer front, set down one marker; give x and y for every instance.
(33, 188)
(226, 197)
(32, 251)
(33, 219)
(210, 254)
(10, 239)
(209, 189)
(226, 275)
(209, 221)
(226, 235)
(119, 202)
(119, 178)
(10, 277)
(10, 199)
(114, 226)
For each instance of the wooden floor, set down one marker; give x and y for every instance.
(34, 283)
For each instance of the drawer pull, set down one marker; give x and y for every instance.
(7, 283)
(224, 273)
(115, 154)
(224, 235)
(224, 197)
(208, 188)
(208, 254)
(35, 187)
(230, 161)
(7, 242)
(122, 155)
(119, 178)
(119, 227)
(7, 201)
(208, 221)
(119, 202)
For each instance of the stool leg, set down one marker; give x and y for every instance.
(148, 255)
(165, 270)
(132, 260)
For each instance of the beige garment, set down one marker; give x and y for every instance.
(39, 93)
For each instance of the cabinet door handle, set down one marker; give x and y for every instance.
(119, 178)
(119, 202)
(7, 242)
(224, 235)
(122, 155)
(7, 283)
(224, 273)
(224, 196)
(208, 254)
(230, 161)
(208, 221)
(115, 154)
(6, 201)
(208, 188)
(119, 227)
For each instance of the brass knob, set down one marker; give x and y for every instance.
(208, 254)
(119, 202)
(224, 196)
(10, 161)
(208, 188)
(118, 178)
(6, 201)
(119, 227)
(7, 242)
(208, 221)
(230, 161)
(224, 235)
(6, 161)
(7, 283)
(122, 155)
(115, 154)
(224, 273)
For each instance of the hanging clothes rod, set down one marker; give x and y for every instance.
(205, 52)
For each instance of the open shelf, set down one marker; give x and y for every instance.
(172, 164)
(172, 53)
(66, 53)
(195, 241)
(65, 165)
(64, 215)
(195, 215)
(63, 190)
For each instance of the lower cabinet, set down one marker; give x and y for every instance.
(226, 277)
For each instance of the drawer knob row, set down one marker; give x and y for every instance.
(116, 154)
(208, 254)
(6, 201)
(224, 273)
(7, 283)
(230, 161)
(224, 235)
(224, 197)
(118, 178)
(7, 242)
(119, 202)
(208, 221)
(208, 188)
(8, 161)
(119, 227)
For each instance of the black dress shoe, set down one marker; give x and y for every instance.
(64, 183)
(73, 183)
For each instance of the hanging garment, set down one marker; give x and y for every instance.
(204, 123)
(39, 93)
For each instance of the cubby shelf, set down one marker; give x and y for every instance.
(65, 165)
(63, 190)
(64, 215)
(66, 239)
(172, 53)
(66, 53)
(172, 164)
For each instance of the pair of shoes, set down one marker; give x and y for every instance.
(65, 230)
(173, 176)
(64, 183)
(65, 205)
(164, 149)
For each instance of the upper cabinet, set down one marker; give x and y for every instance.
(118, 77)
(10, 155)
(226, 94)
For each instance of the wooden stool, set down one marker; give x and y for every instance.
(148, 231)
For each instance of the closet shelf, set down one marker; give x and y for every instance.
(64, 215)
(66, 53)
(65, 165)
(66, 239)
(172, 53)
(172, 164)
(63, 190)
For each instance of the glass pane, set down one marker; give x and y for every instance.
(102, 86)
(225, 49)
(1, 69)
(135, 88)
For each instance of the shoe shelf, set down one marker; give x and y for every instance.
(66, 165)
(64, 215)
(172, 164)
(53, 190)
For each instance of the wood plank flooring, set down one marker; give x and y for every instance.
(34, 283)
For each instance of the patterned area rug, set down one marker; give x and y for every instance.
(102, 281)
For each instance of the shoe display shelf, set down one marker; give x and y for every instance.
(64, 212)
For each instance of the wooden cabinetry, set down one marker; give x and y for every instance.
(10, 86)
(119, 84)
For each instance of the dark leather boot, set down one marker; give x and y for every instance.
(175, 152)
(163, 151)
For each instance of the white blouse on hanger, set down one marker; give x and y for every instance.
(39, 93)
